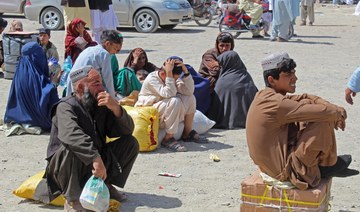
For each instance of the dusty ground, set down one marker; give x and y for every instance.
(326, 54)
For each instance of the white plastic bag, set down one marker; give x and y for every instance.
(95, 195)
(201, 124)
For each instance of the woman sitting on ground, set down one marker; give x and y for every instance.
(209, 67)
(32, 94)
(138, 61)
(233, 93)
(125, 79)
(77, 39)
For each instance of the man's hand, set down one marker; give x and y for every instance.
(105, 99)
(348, 94)
(169, 66)
(340, 123)
(342, 112)
(182, 65)
(99, 169)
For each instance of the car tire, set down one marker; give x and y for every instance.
(146, 21)
(172, 26)
(22, 7)
(52, 18)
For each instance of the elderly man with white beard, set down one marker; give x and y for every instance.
(78, 148)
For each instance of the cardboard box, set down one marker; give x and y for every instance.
(259, 197)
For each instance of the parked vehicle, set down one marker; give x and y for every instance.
(12, 6)
(237, 22)
(202, 12)
(145, 15)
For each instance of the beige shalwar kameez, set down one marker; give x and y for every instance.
(77, 12)
(307, 9)
(254, 10)
(173, 99)
(289, 137)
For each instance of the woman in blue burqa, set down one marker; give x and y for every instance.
(32, 93)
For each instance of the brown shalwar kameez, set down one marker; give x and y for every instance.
(290, 136)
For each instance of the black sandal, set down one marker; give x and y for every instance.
(192, 138)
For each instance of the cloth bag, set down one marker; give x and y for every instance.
(27, 189)
(95, 195)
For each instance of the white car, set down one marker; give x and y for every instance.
(12, 6)
(145, 15)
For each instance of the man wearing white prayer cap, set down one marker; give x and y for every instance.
(291, 137)
(78, 148)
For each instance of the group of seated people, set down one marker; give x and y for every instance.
(80, 122)
(231, 86)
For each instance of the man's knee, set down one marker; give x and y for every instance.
(189, 103)
(133, 143)
(175, 105)
(175, 102)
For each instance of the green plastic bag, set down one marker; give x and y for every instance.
(95, 195)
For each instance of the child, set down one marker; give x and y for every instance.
(54, 71)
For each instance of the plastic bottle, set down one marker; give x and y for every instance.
(67, 68)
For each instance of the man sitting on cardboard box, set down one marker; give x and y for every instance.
(291, 137)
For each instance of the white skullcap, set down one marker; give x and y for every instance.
(272, 61)
(79, 74)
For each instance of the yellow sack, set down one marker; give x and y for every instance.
(27, 189)
(146, 130)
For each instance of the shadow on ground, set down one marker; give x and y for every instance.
(162, 31)
(151, 201)
(127, 51)
(19, 16)
(194, 147)
(310, 42)
(41, 205)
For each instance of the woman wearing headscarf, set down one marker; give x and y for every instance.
(32, 94)
(135, 70)
(233, 93)
(77, 39)
(138, 61)
(209, 67)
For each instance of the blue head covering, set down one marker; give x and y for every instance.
(31, 94)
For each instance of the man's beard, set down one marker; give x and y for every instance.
(89, 101)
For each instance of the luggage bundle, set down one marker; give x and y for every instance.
(259, 196)
(12, 44)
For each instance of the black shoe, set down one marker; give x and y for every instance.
(347, 173)
(343, 161)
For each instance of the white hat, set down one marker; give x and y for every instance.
(79, 74)
(272, 61)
